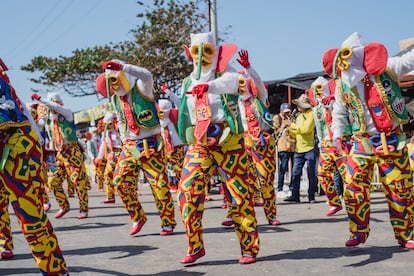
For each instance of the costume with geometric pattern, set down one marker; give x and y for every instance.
(21, 181)
(367, 90)
(210, 122)
(139, 128)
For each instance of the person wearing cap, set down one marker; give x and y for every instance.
(133, 101)
(21, 180)
(303, 129)
(69, 155)
(368, 92)
(109, 150)
(210, 122)
(285, 144)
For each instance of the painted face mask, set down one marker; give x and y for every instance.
(320, 89)
(350, 59)
(204, 53)
(118, 82)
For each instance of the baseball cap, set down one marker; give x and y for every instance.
(285, 107)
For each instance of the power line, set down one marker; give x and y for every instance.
(32, 32)
(69, 27)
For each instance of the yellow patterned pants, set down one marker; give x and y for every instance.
(395, 171)
(130, 162)
(230, 159)
(100, 174)
(109, 174)
(71, 158)
(329, 162)
(264, 161)
(23, 179)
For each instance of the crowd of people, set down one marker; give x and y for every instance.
(218, 127)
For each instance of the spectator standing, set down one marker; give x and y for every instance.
(303, 129)
(285, 144)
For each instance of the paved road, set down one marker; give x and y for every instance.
(307, 243)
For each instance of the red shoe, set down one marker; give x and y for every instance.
(166, 232)
(407, 244)
(352, 242)
(193, 258)
(274, 222)
(227, 222)
(101, 190)
(82, 215)
(208, 198)
(258, 204)
(334, 210)
(47, 206)
(61, 213)
(223, 206)
(247, 260)
(137, 227)
(6, 254)
(356, 238)
(108, 200)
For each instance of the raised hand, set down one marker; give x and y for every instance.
(36, 97)
(327, 100)
(200, 89)
(244, 59)
(164, 87)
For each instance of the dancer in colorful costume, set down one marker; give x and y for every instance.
(175, 149)
(139, 128)
(321, 95)
(210, 122)
(368, 90)
(21, 181)
(69, 155)
(39, 114)
(259, 139)
(100, 163)
(110, 149)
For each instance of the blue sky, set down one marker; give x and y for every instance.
(284, 38)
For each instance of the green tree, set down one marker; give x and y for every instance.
(156, 46)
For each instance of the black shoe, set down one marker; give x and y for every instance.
(292, 199)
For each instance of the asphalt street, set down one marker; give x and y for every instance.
(306, 243)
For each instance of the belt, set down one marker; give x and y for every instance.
(146, 145)
(216, 133)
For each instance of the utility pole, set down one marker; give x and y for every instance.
(213, 18)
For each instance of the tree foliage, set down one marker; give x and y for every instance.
(156, 46)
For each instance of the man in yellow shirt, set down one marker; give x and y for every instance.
(304, 130)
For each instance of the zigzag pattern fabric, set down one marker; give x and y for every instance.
(327, 165)
(126, 183)
(231, 161)
(265, 163)
(23, 179)
(397, 182)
